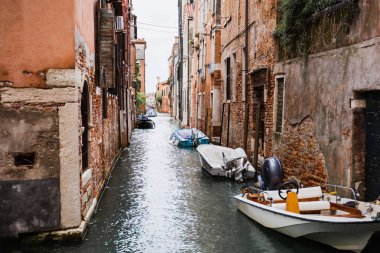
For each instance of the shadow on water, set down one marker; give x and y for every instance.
(159, 200)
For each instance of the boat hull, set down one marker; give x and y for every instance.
(215, 169)
(350, 234)
(188, 142)
(145, 124)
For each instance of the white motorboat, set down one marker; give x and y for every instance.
(225, 162)
(342, 223)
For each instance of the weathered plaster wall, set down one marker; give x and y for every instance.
(40, 121)
(333, 31)
(32, 130)
(49, 45)
(38, 129)
(320, 88)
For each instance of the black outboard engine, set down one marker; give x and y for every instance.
(271, 174)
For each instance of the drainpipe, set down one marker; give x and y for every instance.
(196, 93)
(246, 120)
(228, 125)
(188, 72)
(221, 135)
(180, 83)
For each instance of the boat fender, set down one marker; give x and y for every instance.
(292, 202)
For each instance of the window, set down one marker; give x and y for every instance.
(227, 80)
(212, 48)
(216, 10)
(279, 104)
(200, 105)
(234, 76)
(243, 73)
(185, 101)
(227, 8)
(25, 159)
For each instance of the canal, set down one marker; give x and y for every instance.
(159, 200)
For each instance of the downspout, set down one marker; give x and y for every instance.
(246, 120)
(228, 124)
(180, 84)
(196, 92)
(188, 72)
(128, 48)
(221, 135)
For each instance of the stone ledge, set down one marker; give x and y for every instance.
(34, 95)
(86, 176)
(63, 78)
(63, 235)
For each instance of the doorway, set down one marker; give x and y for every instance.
(259, 79)
(372, 167)
(85, 102)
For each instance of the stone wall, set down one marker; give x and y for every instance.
(29, 168)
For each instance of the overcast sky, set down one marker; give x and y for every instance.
(163, 14)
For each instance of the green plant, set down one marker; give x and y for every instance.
(140, 102)
(158, 98)
(136, 80)
(297, 18)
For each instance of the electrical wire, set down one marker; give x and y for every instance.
(160, 31)
(162, 26)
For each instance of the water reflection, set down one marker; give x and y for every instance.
(159, 200)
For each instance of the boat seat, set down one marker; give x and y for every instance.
(303, 193)
(307, 206)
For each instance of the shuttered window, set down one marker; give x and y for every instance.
(279, 104)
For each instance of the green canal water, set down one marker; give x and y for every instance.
(158, 199)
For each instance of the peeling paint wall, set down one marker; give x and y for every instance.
(36, 52)
(320, 87)
(41, 123)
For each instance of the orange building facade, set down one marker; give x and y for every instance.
(64, 109)
(162, 97)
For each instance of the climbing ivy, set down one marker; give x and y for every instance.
(140, 102)
(136, 80)
(297, 17)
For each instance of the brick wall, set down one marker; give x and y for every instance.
(300, 154)
(261, 56)
(103, 145)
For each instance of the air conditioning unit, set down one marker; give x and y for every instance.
(119, 24)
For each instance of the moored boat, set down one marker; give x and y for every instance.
(143, 122)
(189, 137)
(225, 162)
(342, 223)
(151, 113)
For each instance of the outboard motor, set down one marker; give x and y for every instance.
(237, 166)
(271, 173)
